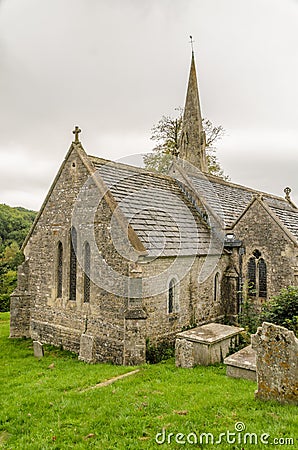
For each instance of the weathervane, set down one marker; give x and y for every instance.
(76, 132)
(191, 42)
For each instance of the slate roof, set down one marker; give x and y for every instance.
(230, 200)
(163, 218)
(226, 199)
(287, 215)
(156, 207)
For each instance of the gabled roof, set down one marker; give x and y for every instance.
(166, 222)
(230, 201)
(162, 218)
(152, 202)
(287, 215)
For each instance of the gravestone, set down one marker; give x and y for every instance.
(276, 363)
(87, 348)
(204, 345)
(38, 349)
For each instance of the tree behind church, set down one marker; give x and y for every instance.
(166, 133)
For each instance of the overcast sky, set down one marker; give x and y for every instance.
(115, 67)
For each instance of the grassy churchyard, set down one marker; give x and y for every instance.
(46, 404)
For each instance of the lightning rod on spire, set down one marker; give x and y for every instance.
(191, 42)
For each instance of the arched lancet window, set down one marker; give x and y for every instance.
(172, 296)
(251, 276)
(73, 265)
(59, 269)
(262, 272)
(87, 262)
(216, 289)
(257, 275)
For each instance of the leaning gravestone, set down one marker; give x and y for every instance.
(276, 363)
(38, 349)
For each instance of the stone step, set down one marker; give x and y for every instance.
(242, 364)
(205, 345)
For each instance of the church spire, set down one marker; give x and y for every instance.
(192, 145)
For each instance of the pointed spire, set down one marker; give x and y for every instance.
(192, 146)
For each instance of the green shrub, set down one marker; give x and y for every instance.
(161, 351)
(4, 302)
(249, 318)
(14, 226)
(8, 282)
(283, 309)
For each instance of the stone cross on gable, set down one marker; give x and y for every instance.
(76, 132)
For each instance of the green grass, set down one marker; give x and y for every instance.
(43, 408)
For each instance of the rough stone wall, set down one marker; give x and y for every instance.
(277, 363)
(135, 337)
(61, 321)
(257, 230)
(20, 315)
(196, 303)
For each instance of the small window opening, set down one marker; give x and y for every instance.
(216, 287)
(172, 296)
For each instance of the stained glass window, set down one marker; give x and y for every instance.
(87, 261)
(262, 278)
(73, 265)
(59, 270)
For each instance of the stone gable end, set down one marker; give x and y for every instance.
(60, 321)
(258, 230)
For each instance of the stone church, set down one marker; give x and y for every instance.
(118, 255)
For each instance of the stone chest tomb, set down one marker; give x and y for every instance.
(205, 345)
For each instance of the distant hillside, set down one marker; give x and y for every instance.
(15, 223)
